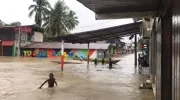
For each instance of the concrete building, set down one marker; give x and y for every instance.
(9, 38)
(53, 49)
(116, 47)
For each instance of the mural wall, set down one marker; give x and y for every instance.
(57, 52)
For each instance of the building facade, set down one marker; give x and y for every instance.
(164, 37)
(52, 49)
(10, 39)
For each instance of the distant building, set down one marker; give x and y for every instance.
(129, 48)
(116, 47)
(53, 49)
(9, 37)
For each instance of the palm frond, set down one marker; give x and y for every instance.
(40, 9)
(31, 13)
(60, 20)
(32, 6)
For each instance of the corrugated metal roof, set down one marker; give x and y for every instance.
(125, 8)
(57, 45)
(101, 34)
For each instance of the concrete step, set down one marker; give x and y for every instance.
(154, 89)
(146, 85)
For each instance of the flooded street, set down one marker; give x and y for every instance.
(20, 79)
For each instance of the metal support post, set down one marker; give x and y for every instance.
(62, 55)
(88, 57)
(135, 55)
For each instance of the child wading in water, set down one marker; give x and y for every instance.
(95, 62)
(110, 63)
(140, 61)
(50, 81)
(103, 61)
(81, 59)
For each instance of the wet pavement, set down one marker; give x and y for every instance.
(20, 79)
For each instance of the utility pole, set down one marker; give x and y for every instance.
(19, 41)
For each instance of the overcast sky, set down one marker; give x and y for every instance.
(17, 10)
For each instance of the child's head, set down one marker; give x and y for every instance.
(51, 75)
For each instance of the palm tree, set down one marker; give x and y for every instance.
(41, 8)
(60, 21)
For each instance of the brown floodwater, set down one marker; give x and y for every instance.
(21, 77)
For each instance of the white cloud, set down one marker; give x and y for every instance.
(17, 10)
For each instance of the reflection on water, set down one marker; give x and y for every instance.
(20, 79)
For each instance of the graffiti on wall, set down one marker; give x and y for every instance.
(57, 52)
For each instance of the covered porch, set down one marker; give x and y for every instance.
(101, 35)
(160, 27)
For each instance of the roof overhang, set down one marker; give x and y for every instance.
(101, 34)
(24, 28)
(147, 14)
(113, 9)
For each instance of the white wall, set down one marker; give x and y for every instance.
(37, 37)
(94, 55)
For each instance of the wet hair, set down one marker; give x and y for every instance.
(51, 74)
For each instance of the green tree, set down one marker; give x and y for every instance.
(60, 21)
(2, 24)
(15, 24)
(40, 8)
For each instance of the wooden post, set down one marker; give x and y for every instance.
(2, 51)
(88, 57)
